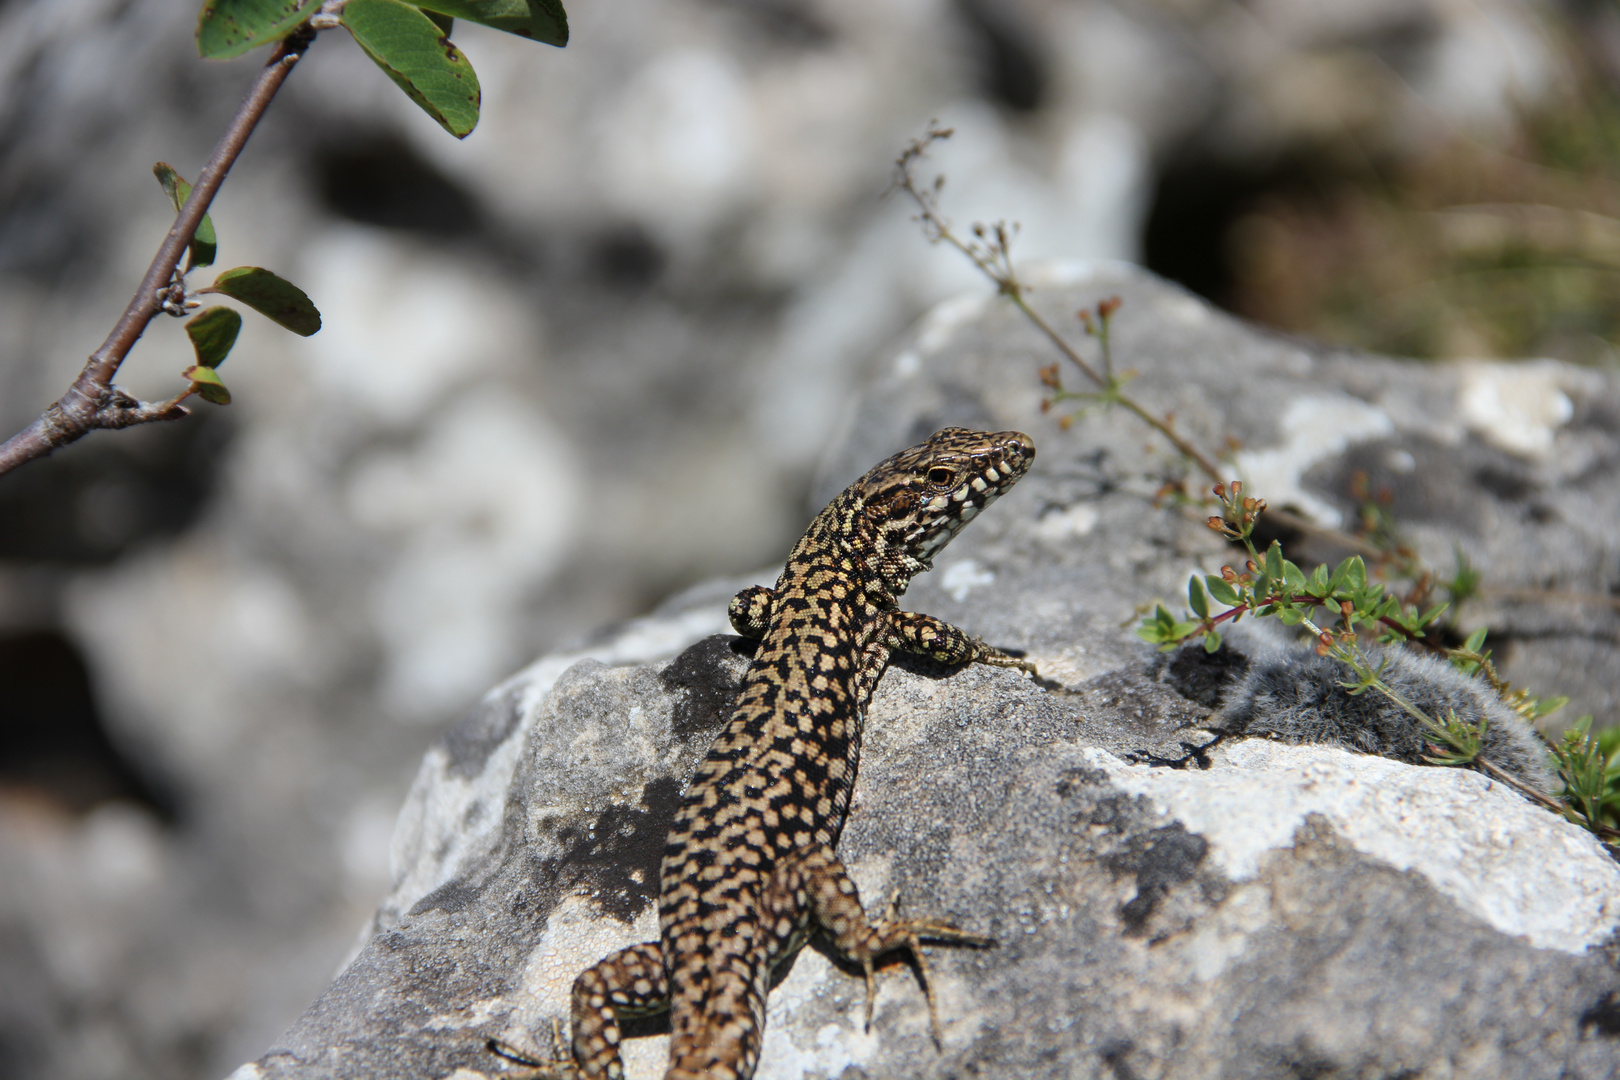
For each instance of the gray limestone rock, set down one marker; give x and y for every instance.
(1165, 903)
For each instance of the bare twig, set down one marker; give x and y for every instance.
(92, 402)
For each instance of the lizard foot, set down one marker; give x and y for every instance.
(892, 934)
(560, 1067)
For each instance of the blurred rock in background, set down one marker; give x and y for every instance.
(591, 355)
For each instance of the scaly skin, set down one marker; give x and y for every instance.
(749, 871)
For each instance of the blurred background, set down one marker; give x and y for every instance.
(590, 356)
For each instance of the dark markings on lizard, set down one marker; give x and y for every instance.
(749, 870)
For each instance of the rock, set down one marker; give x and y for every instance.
(577, 361)
(1258, 910)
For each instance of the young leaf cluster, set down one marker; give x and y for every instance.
(410, 42)
(213, 331)
(1590, 766)
(1271, 585)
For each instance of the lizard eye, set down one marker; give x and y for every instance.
(940, 476)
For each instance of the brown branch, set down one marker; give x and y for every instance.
(92, 401)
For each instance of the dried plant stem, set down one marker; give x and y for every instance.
(92, 401)
(1185, 448)
(993, 257)
(1485, 766)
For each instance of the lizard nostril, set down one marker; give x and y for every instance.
(1018, 446)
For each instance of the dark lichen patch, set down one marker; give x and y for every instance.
(1198, 675)
(616, 857)
(706, 680)
(1603, 1016)
(1160, 860)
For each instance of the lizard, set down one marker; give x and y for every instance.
(750, 871)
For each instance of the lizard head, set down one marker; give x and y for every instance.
(922, 497)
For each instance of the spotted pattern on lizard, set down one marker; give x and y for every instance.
(749, 871)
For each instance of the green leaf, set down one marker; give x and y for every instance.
(1355, 573)
(1221, 590)
(206, 384)
(540, 20)
(1432, 614)
(1340, 572)
(203, 242)
(1476, 640)
(1274, 561)
(1196, 598)
(1319, 581)
(1548, 706)
(444, 22)
(1212, 641)
(1293, 577)
(228, 28)
(412, 51)
(212, 333)
(270, 296)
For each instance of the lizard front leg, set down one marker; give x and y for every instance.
(924, 635)
(750, 611)
(630, 983)
(913, 632)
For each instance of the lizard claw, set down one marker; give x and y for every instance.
(560, 1067)
(871, 991)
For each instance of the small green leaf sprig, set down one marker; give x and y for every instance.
(1590, 766)
(410, 42)
(1271, 585)
(213, 331)
(1338, 607)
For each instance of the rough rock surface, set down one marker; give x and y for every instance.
(1263, 910)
